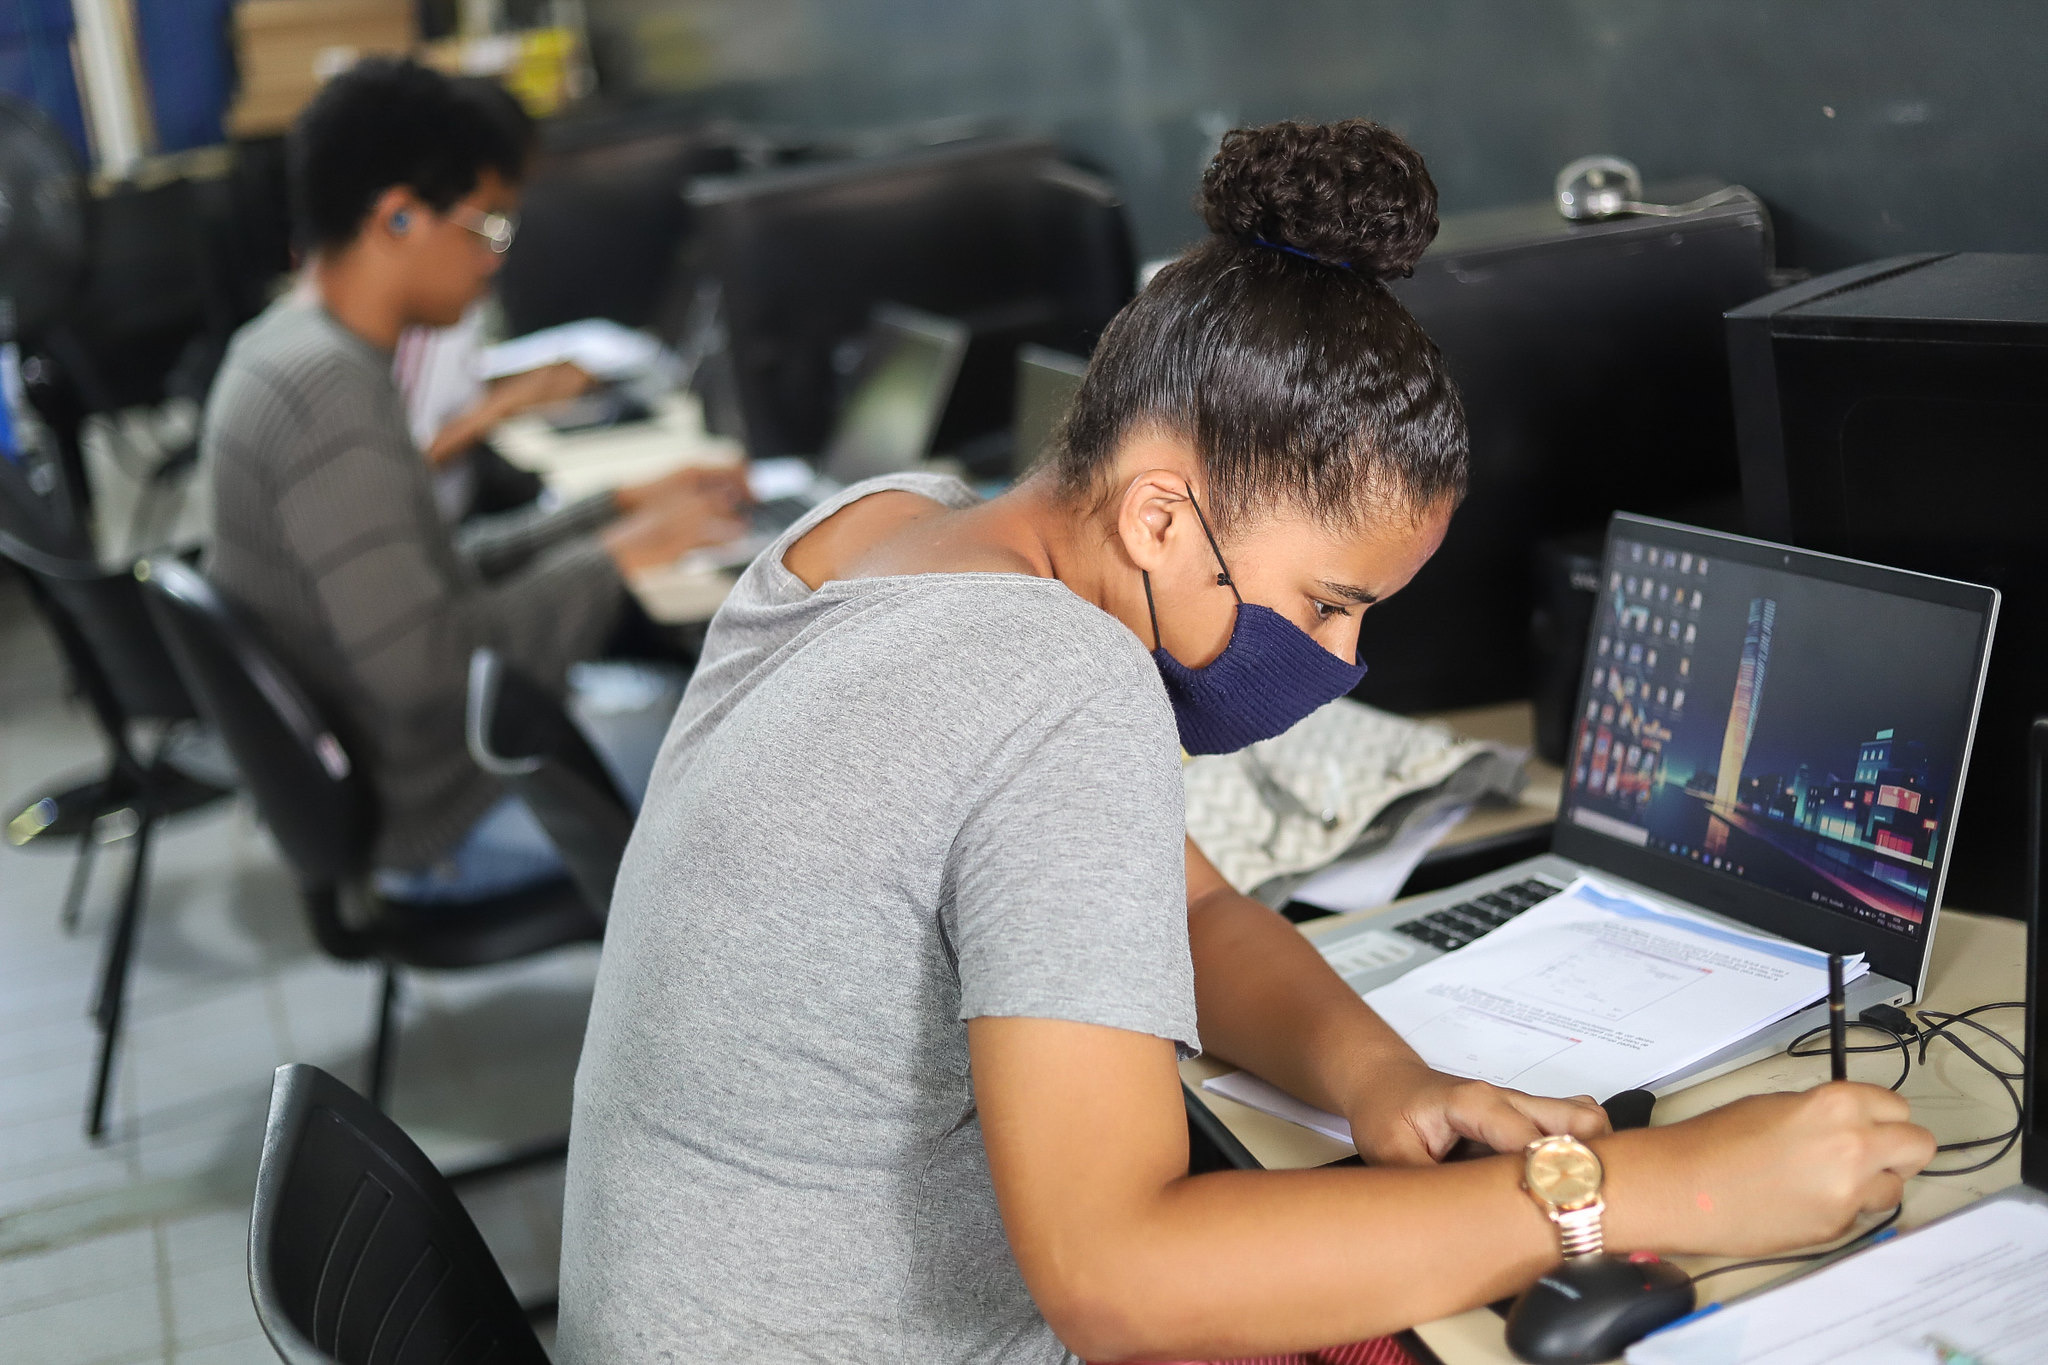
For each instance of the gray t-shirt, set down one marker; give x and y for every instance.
(885, 807)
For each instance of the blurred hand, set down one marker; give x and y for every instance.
(725, 484)
(507, 398)
(1413, 1116)
(530, 389)
(660, 531)
(1771, 1172)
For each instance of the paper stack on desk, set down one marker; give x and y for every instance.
(1596, 991)
(1977, 1283)
(1591, 992)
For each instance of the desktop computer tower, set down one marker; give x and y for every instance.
(1590, 359)
(1898, 412)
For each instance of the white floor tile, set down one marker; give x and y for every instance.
(97, 1266)
(212, 1305)
(121, 1324)
(253, 1350)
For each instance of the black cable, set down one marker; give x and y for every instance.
(1893, 1040)
(1943, 1024)
(1864, 1235)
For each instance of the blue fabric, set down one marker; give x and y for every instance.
(35, 62)
(189, 56)
(624, 711)
(1270, 676)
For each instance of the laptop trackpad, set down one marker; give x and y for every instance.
(1362, 959)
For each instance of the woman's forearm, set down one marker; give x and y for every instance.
(1266, 1001)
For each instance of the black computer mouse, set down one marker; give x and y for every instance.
(1592, 1308)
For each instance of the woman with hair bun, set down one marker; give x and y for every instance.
(881, 1062)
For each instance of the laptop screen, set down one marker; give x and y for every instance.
(1762, 717)
(898, 397)
(1046, 383)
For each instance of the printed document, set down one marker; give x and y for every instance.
(1596, 991)
(1977, 1283)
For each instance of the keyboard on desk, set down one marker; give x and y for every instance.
(773, 516)
(1454, 926)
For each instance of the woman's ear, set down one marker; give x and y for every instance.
(1151, 515)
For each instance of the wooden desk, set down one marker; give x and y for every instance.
(576, 464)
(1977, 959)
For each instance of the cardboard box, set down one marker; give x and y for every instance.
(286, 48)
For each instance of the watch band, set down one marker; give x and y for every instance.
(1578, 1230)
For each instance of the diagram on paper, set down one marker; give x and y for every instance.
(1607, 981)
(1486, 1047)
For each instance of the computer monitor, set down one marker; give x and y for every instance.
(602, 218)
(1894, 412)
(904, 380)
(2034, 1131)
(1000, 234)
(1757, 720)
(1046, 381)
(1592, 367)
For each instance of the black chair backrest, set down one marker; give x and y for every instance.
(112, 646)
(521, 733)
(317, 802)
(358, 1249)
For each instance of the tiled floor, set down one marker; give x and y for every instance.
(133, 1249)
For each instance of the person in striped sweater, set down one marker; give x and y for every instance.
(325, 526)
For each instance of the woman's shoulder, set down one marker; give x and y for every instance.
(1029, 636)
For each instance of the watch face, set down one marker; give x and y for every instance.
(1564, 1174)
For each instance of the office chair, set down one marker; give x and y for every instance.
(519, 732)
(118, 662)
(359, 1250)
(322, 812)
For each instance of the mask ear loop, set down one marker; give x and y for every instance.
(1223, 579)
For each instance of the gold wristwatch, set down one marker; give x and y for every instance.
(1563, 1175)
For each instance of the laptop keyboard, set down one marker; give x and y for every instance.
(1454, 926)
(776, 515)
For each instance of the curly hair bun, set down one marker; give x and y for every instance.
(1352, 193)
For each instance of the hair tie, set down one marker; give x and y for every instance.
(1297, 251)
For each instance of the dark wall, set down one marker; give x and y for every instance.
(1870, 126)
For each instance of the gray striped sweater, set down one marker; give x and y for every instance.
(325, 532)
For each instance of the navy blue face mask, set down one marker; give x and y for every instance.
(1271, 674)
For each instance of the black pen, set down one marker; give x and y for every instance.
(1838, 1024)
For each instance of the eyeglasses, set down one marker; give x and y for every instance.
(497, 229)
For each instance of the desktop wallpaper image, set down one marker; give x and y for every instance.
(1797, 734)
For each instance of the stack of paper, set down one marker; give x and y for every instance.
(1976, 1284)
(1596, 991)
(1591, 992)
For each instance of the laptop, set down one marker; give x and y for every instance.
(899, 393)
(1769, 737)
(1046, 382)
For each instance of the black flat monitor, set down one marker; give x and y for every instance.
(1046, 383)
(1898, 412)
(904, 380)
(1001, 234)
(2033, 1131)
(603, 219)
(1591, 362)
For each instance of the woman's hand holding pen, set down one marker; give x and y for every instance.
(1765, 1174)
